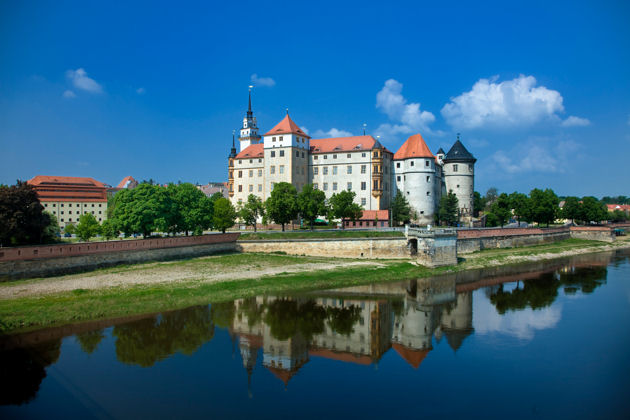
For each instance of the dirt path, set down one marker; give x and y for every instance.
(160, 274)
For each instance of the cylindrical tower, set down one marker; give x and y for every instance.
(459, 175)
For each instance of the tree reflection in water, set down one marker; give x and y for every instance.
(90, 340)
(287, 317)
(543, 291)
(149, 340)
(23, 369)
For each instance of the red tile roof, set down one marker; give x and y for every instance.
(252, 151)
(282, 374)
(413, 357)
(69, 188)
(126, 181)
(414, 147)
(341, 356)
(343, 144)
(383, 215)
(287, 126)
(622, 207)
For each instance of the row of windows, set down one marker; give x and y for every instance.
(405, 178)
(78, 212)
(272, 169)
(250, 161)
(281, 153)
(251, 173)
(70, 220)
(456, 168)
(250, 188)
(70, 205)
(298, 139)
(334, 156)
(349, 186)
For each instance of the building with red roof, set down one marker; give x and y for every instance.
(68, 197)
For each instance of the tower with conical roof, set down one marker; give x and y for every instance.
(249, 131)
(459, 176)
(415, 168)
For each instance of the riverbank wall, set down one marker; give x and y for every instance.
(48, 260)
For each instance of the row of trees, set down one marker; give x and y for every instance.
(286, 204)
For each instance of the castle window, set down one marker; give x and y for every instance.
(363, 186)
(428, 193)
(457, 185)
(302, 154)
(363, 201)
(398, 164)
(428, 179)
(376, 184)
(455, 168)
(240, 161)
(376, 153)
(325, 156)
(273, 153)
(54, 205)
(297, 153)
(426, 163)
(398, 178)
(251, 188)
(315, 171)
(470, 168)
(325, 169)
(273, 139)
(315, 186)
(281, 169)
(259, 187)
(334, 170)
(272, 169)
(362, 154)
(334, 186)
(240, 174)
(315, 157)
(251, 173)
(325, 186)
(259, 160)
(412, 163)
(240, 189)
(251, 161)
(363, 168)
(260, 172)
(349, 169)
(281, 153)
(280, 138)
(348, 156)
(349, 186)
(334, 156)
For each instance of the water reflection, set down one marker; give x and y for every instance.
(356, 325)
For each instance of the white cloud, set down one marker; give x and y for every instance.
(333, 132)
(407, 118)
(141, 91)
(262, 81)
(80, 80)
(573, 121)
(537, 154)
(69, 94)
(517, 102)
(522, 324)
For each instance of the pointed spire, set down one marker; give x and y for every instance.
(233, 149)
(249, 106)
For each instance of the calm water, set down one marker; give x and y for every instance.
(539, 341)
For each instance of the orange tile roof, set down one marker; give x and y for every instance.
(413, 357)
(341, 356)
(343, 144)
(282, 374)
(68, 188)
(252, 151)
(613, 207)
(287, 126)
(383, 215)
(65, 180)
(125, 181)
(414, 147)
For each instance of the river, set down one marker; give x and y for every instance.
(540, 340)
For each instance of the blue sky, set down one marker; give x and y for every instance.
(540, 91)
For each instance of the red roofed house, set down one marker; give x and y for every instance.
(67, 197)
(361, 164)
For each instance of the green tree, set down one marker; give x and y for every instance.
(224, 214)
(617, 216)
(143, 209)
(571, 208)
(281, 206)
(501, 208)
(22, 217)
(491, 195)
(191, 209)
(544, 206)
(70, 229)
(88, 227)
(491, 220)
(401, 210)
(520, 204)
(448, 209)
(90, 340)
(342, 206)
(250, 211)
(311, 203)
(108, 229)
(479, 203)
(52, 231)
(592, 210)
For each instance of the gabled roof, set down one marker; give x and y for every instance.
(459, 153)
(287, 126)
(383, 215)
(252, 151)
(65, 181)
(411, 356)
(414, 147)
(126, 181)
(344, 144)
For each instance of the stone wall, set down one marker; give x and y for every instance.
(437, 250)
(509, 240)
(338, 247)
(62, 259)
(593, 233)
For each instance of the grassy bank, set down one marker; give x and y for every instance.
(28, 313)
(318, 235)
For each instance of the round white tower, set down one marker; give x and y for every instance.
(414, 168)
(459, 175)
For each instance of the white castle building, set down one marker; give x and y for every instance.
(358, 163)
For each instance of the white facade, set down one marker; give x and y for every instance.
(417, 179)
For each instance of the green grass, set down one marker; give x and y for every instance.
(319, 235)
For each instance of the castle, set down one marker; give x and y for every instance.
(358, 163)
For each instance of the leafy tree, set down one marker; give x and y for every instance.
(224, 214)
(401, 210)
(342, 206)
(286, 318)
(70, 229)
(311, 203)
(592, 210)
(88, 227)
(491, 220)
(22, 219)
(281, 206)
(191, 209)
(501, 208)
(520, 204)
(250, 211)
(571, 208)
(108, 229)
(617, 216)
(448, 209)
(51, 232)
(342, 320)
(491, 195)
(544, 205)
(90, 340)
(143, 209)
(479, 203)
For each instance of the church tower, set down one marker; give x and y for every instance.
(249, 132)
